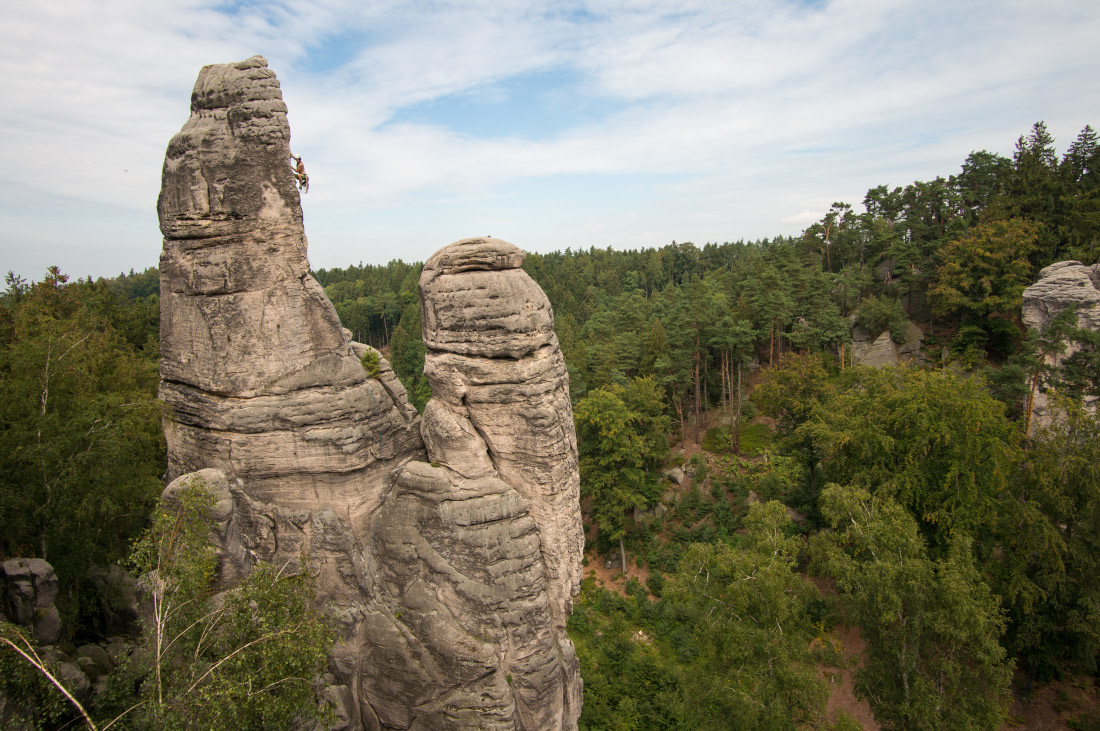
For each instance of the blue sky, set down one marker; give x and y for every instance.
(602, 123)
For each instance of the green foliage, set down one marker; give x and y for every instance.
(246, 659)
(718, 439)
(371, 363)
(933, 660)
(754, 668)
(371, 300)
(32, 698)
(982, 275)
(937, 444)
(621, 435)
(81, 449)
(755, 438)
(791, 392)
(632, 678)
(1058, 626)
(407, 356)
(878, 314)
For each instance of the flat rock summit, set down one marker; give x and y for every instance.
(447, 546)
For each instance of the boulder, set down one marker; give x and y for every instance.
(74, 679)
(881, 352)
(117, 649)
(914, 337)
(675, 475)
(28, 587)
(46, 628)
(116, 595)
(859, 333)
(647, 516)
(93, 660)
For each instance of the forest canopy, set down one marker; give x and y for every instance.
(960, 541)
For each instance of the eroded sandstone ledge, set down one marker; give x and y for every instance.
(450, 569)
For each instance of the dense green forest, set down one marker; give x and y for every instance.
(817, 494)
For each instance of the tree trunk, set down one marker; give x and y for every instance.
(679, 406)
(736, 427)
(724, 404)
(1030, 404)
(706, 377)
(622, 554)
(698, 396)
(727, 395)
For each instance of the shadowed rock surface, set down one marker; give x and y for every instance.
(451, 584)
(1061, 285)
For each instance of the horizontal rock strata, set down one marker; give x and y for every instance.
(268, 399)
(451, 581)
(478, 553)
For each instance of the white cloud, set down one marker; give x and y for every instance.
(739, 118)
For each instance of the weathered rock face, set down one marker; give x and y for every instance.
(482, 547)
(494, 365)
(1060, 286)
(260, 377)
(881, 352)
(267, 395)
(28, 587)
(452, 582)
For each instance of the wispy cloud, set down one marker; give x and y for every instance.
(732, 119)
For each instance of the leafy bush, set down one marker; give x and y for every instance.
(246, 660)
(656, 582)
(877, 314)
(371, 363)
(755, 438)
(718, 439)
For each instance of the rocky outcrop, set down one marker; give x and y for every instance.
(1060, 286)
(28, 587)
(497, 373)
(881, 352)
(479, 551)
(914, 339)
(270, 405)
(450, 570)
(262, 381)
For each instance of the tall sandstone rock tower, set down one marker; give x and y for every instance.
(446, 547)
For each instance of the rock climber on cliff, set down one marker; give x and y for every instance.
(300, 173)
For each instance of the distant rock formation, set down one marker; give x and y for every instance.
(880, 351)
(28, 587)
(876, 354)
(1060, 286)
(451, 569)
